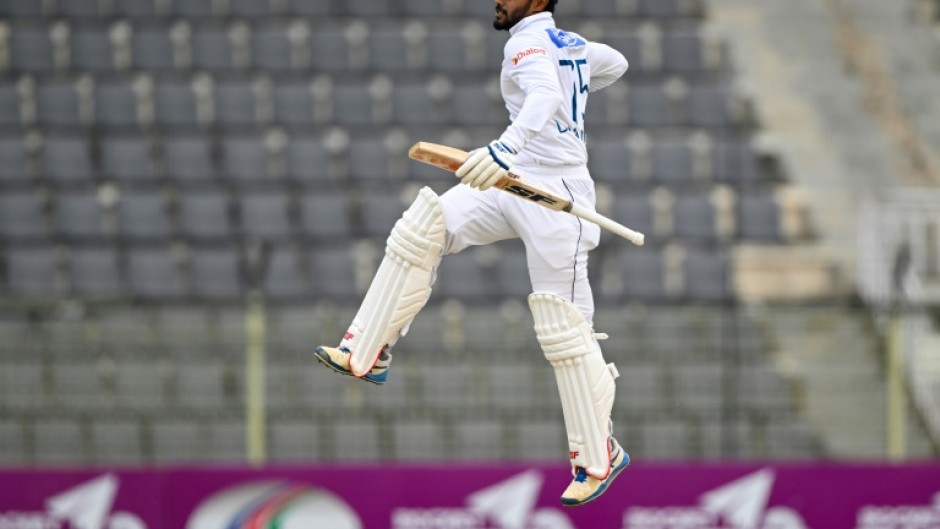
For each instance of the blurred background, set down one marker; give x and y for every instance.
(196, 193)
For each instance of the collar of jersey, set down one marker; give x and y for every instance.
(531, 20)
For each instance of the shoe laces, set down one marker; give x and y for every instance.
(581, 475)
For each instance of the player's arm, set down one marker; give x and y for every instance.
(607, 65)
(528, 63)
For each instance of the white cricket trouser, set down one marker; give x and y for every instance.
(557, 243)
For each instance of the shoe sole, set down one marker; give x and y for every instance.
(600, 492)
(324, 359)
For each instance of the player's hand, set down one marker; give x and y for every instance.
(486, 165)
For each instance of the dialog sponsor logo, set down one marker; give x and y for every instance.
(86, 506)
(741, 504)
(509, 504)
(517, 58)
(901, 516)
(273, 505)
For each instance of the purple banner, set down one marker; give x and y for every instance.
(646, 496)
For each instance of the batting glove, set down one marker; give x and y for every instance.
(485, 166)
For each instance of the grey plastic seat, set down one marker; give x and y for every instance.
(610, 161)
(215, 273)
(251, 8)
(366, 8)
(352, 104)
(115, 441)
(205, 215)
(31, 51)
(640, 389)
(127, 159)
(708, 275)
(512, 272)
(369, 161)
(418, 439)
(517, 387)
(324, 215)
(379, 212)
(388, 49)
(78, 215)
(212, 50)
(175, 105)
(333, 271)
(235, 104)
(140, 384)
(642, 275)
(429, 8)
(415, 104)
(188, 159)
(22, 9)
(193, 8)
(286, 276)
(694, 217)
(152, 49)
(265, 215)
(9, 106)
(759, 218)
(176, 440)
(473, 106)
(600, 8)
(446, 50)
(709, 105)
(649, 106)
(22, 385)
(143, 216)
(479, 440)
(541, 440)
(308, 161)
(449, 388)
(356, 439)
(763, 389)
(136, 9)
(14, 162)
(736, 161)
(115, 105)
(462, 276)
(91, 48)
(330, 50)
(32, 270)
(295, 440)
(58, 441)
(727, 439)
(306, 8)
(664, 8)
(76, 386)
(21, 216)
(245, 160)
(700, 387)
(792, 439)
(635, 211)
(94, 271)
(665, 439)
(271, 50)
(293, 103)
(200, 386)
(672, 161)
(82, 9)
(57, 105)
(13, 442)
(682, 52)
(152, 273)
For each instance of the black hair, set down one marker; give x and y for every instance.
(550, 6)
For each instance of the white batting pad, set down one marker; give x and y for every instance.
(402, 284)
(585, 382)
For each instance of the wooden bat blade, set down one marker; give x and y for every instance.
(448, 158)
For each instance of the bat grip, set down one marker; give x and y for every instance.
(635, 237)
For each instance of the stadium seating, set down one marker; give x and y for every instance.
(147, 146)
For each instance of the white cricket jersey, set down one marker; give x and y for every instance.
(547, 74)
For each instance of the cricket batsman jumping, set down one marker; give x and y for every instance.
(547, 75)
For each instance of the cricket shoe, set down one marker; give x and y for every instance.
(585, 488)
(337, 359)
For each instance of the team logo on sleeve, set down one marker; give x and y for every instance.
(522, 55)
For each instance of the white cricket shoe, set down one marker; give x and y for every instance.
(337, 359)
(585, 488)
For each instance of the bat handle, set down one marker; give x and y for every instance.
(635, 237)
